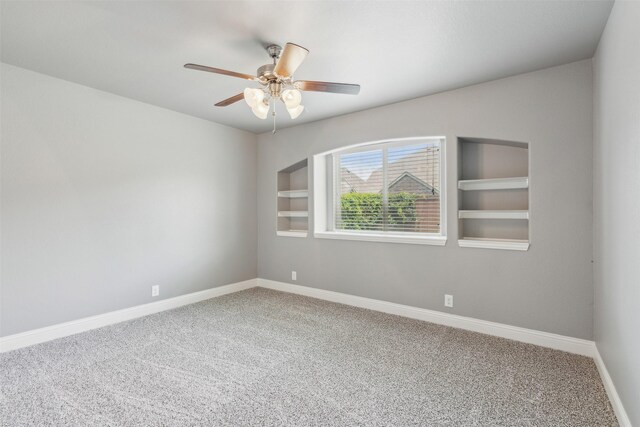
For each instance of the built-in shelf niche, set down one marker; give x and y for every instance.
(293, 200)
(493, 194)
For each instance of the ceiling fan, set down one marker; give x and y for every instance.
(277, 83)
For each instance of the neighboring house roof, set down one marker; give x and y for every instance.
(350, 182)
(414, 164)
(412, 184)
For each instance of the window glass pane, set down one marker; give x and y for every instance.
(413, 177)
(389, 187)
(359, 188)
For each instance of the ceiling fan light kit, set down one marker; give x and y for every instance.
(261, 110)
(253, 96)
(295, 112)
(278, 84)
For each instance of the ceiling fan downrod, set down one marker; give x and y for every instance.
(274, 52)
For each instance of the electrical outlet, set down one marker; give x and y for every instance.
(155, 290)
(294, 276)
(448, 300)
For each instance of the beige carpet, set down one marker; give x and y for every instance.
(261, 357)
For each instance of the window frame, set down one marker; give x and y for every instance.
(326, 182)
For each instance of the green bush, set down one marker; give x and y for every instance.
(361, 211)
(402, 210)
(364, 211)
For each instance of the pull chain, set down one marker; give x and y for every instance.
(274, 117)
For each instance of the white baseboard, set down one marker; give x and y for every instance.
(544, 339)
(614, 398)
(530, 336)
(36, 336)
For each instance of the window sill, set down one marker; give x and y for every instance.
(389, 238)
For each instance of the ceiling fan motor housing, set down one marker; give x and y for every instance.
(266, 73)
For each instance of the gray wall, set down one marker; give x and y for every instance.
(617, 202)
(103, 197)
(548, 288)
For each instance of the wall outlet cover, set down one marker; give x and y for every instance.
(155, 290)
(448, 300)
(294, 275)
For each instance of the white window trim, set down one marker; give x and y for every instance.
(323, 219)
(413, 238)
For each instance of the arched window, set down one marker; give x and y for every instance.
(388, 190)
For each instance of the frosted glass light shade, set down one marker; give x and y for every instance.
(253, 97)
(291, 98)
(295, 112)
(261, 110)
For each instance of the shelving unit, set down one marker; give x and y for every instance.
(292, 233)
(493, 194)
(487, 214)
(293, 200)
(509, 244)
(494, 184)
(293, 193)
(293, 214)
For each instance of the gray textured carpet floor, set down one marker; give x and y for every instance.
(262, 357)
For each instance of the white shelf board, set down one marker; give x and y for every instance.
(292, 233)
(293, 214)
(293, 193)
(488, 214)
(494, 183)
(486, 243)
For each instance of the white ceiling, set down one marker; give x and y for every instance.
(394, 50)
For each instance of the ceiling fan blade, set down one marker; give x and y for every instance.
(290, 59)
(219, 71)
(229, 101)
(310, 85)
